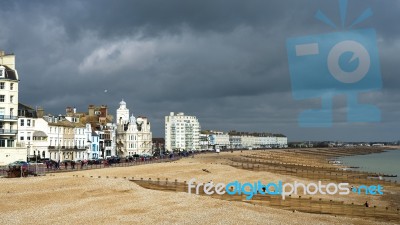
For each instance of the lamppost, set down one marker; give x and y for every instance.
(28, 151)
(36, 161)
(58, 143)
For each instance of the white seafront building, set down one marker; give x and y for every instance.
(10, 149)
(33, 132)
(182, 132)
(218, 140)
(257, 140)
(64, 137)
(133, 134)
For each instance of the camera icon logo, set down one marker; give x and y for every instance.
(322, 66)
(359, 53)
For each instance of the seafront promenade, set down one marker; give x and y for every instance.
(157, 193)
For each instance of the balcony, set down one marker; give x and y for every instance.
(8, 131)
(8, 117)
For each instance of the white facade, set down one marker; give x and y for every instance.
(88, 137)
(56, 140)
(235, 141)
(249, 141)
(10, 149)
(204, 142)
(122, 113)
(79, 137)
(32, 134)
(257, 140)
(133, 134)
(51, 137)
(26, 128)
(281, 142)
(182, 132)
(219, 140)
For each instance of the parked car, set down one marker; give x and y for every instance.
(113, 159)
(18, 164)
(95, 161)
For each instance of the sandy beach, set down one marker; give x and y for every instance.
(109, 196)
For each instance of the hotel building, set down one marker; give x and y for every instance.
(182, 132)
(133, 134)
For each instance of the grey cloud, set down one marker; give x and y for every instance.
(224, 61)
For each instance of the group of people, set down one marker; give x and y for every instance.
(51, 164)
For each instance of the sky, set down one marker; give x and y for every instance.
(223, 61)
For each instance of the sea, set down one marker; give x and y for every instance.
(387, 163)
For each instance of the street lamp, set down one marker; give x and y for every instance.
(28, 151)
(58, 144)
(36, 154)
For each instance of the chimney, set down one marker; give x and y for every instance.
(40, 112)
(91, 110)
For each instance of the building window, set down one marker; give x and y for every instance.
(28, 122)
(1, 98)
(33, 123)
(11, 111)
(2, 143)
(21, 138)
(11, 86)
(11, 98)
(22, 122)
(1, 85)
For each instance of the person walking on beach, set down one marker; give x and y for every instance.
(366, 204)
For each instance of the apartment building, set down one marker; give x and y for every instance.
(182, 132)
(10, 149)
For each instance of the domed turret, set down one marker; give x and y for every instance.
(122, 104)
(132, 119)
(122, 113)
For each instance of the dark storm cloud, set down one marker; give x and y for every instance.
(223, 61)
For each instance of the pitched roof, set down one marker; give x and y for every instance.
(9, 73)
(64, 123)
